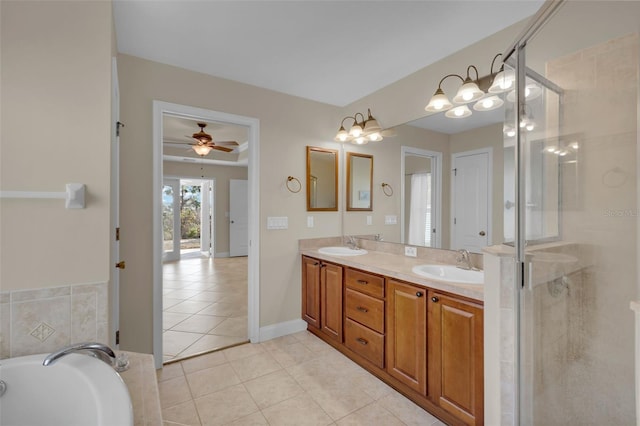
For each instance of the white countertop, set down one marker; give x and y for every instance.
(399, 267)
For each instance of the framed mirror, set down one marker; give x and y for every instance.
(359, 182)
(322, 179)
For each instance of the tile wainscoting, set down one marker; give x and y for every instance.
(42, 320)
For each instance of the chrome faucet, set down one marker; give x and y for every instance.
(94, 349)
(464, 259)
(351, 243)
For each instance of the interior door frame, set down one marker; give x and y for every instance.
(114, 324)
(160, 108)
(436, 189)
(454, 156)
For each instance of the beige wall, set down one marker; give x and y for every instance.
(221, 174)
(287, 125)
(56, 109)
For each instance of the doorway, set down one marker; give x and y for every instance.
(250, 296)
(470, 192)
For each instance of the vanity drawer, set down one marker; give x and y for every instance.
(365, 342)
(370, 284)
(365, 309)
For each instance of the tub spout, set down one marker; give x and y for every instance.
(94, 349)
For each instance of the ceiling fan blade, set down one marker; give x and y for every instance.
(222, 148)
(389, 133)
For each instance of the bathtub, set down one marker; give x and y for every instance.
(76, 390)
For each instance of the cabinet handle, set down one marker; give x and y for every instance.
(419, 294)
(362, 309)
(434, 299)
(363, 282)
(361, 341)
(323, 265)
(316, 264)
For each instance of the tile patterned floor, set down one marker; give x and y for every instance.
(284, 381)
(204, 305)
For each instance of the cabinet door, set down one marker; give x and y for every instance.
(331, 300)
(406, 334)
(311, 291)
(455, 333)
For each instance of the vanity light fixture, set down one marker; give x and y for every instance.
(483, 91)
(362, 130)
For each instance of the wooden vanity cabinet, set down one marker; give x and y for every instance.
(455, 354)
(426, 344)
(364, 315)
(407, 334)
(311, 291)
(322, 296)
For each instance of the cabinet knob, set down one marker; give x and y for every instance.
(362, 309)
(361, 341)
(316, 264)
(434, 299)
(419, 294)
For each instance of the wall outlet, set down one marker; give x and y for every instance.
(411, 251)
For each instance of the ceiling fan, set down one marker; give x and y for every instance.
(205, 143)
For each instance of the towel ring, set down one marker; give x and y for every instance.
(291, 178)
(387, 189)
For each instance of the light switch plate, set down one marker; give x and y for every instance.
(369, 220)
(277, 222)
(310, 222)
(410, 251)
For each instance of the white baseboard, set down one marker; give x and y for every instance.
(282, 329)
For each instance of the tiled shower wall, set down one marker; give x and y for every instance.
(43, 320)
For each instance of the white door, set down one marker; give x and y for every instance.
(171, 219)
(238, 218)
(206, 219)
(471, 189)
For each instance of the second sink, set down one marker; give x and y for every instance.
(342, 251)
(450, 273)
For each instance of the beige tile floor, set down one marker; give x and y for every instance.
(292, 380)
(204, 305)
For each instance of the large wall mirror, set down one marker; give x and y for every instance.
(359, 182)
(322, 179)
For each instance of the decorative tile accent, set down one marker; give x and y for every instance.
(42, 331)
(42, 320)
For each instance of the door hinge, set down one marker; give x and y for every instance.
(117, 234)
(454, 221)
(118, 125)
(117, 337)
(455, 172)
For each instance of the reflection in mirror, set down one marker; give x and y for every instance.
(359, 182)
(322, 179)
(421, 205)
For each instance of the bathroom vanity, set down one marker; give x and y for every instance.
(423, 337)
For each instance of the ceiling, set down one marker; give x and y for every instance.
(334, 52)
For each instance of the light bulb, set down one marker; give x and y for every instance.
(360, 141)
(530, 126)
(575, 145)
(355, 131)
(375, 136)
(487, 103)
(562, 153)
(511, 133)
(438, 104)
(467, 95)
(459, 112)
(551, 149)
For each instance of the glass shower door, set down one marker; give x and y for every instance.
(577, 212)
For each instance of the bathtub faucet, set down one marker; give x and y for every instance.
(94, 349)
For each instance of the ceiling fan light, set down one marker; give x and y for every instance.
(461, 111)
(202, 150)
(468, 92)
(438, 102)
(489, 103)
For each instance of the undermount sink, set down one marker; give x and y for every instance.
(342, 251)
(450, 273)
